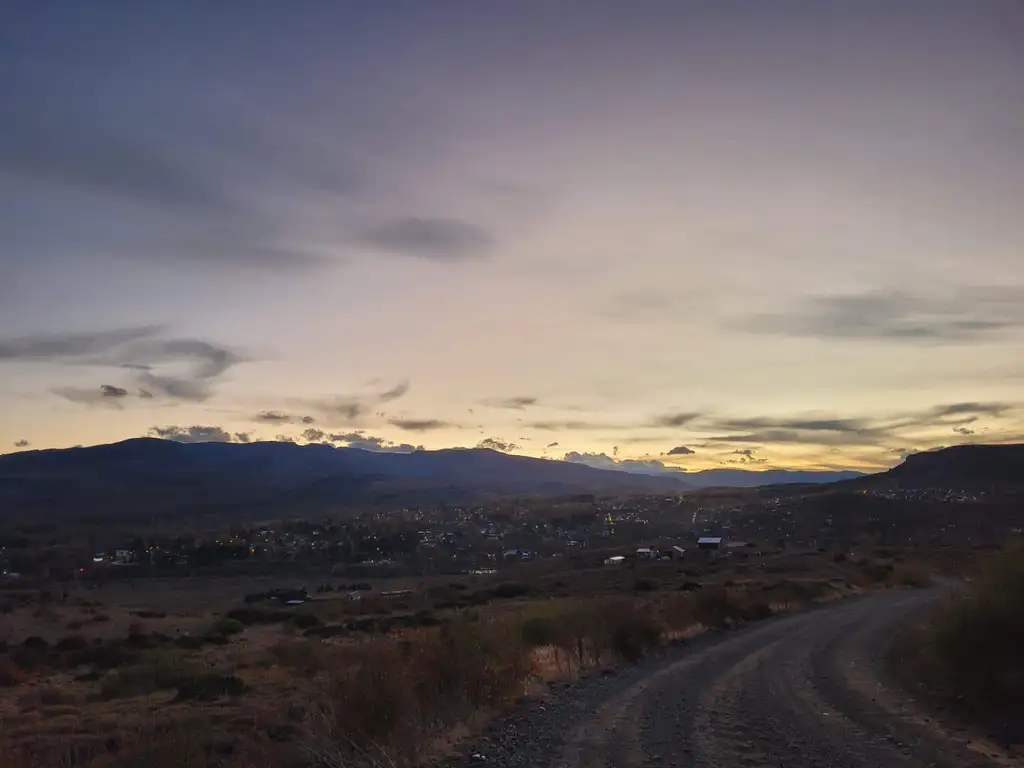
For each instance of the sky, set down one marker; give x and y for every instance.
(640, 234)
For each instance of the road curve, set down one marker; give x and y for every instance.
(795, 692)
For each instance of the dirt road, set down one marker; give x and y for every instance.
(796, 692)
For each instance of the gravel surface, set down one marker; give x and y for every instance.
(799, 691)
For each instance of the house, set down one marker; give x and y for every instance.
(646, 553)
(615, 560)
(677, 552)
(124, 556)
(709, 543)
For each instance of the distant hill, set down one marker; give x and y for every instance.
(962, 467)
(149, 477)
(746, 478)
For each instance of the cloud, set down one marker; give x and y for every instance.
(280, 417)
(674, 419)
(394, 393)
(195, 434)
(680, 450)
(273, 417)
(494, 444)
(963, 430)
(515, 403)
(187, 194)
(284, 439)
(552, 445)
(429, 238)
(366, 442)
(351, 409)
(964, 315)
(313, 435)
(636, 466)
(833, 430)
(105, 394)
(419, 425)
(243, 437)
(571, 426)
(745, 456)
(183, 369)
(21, 443)
(71, 347)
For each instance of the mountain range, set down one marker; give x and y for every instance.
(148, 476)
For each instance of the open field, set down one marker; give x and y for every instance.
(220, 672)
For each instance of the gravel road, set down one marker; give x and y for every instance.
(799, 691)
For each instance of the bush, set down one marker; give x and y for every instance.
(71, 643)
(644, 585)
(102, 655)
(226, 626)
(11, 674)
(510, 589)
(305, 620)
(387, 699)
(977, 639)
(209, 687)
(538, 630)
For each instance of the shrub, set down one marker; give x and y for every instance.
(977, 639)
(305, 620)
(102, 655)
(510, 589)
(386, 699)
(644, 585)
(209, 687)
(538, 630)
(11, 674)
(634, 631)
(35, 643)
(71, 643)
(226, 626)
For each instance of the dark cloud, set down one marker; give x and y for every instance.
(968, 314)
(194, 434)
(314, 435)
(141, 350)
(21, 443)
(394, 393)
(346, 408)
(243, 437)
(280, 417)
(676, 419)
(273, 417)
(71, 347)
(366, 442)
(185, 194)
(440, 239)
(420, 425)
(844, 431)
(680, 450)
(516, 403)
(494, 444)
(963, 430)
(745, 456)
(105, 394)
(285, 439)
(552, 445)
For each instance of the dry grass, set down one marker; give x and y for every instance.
(388, 684)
